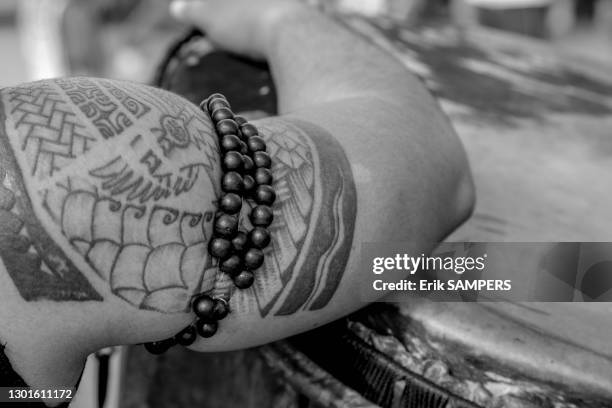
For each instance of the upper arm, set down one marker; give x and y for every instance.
(108, 177)
(107, 194)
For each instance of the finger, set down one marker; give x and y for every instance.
(196, 12)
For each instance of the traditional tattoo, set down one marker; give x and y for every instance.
(118, 212)
(314, 220)
(136, 108)
(37, 266)
(97, 106)
(119, 179)
(112, 166)
(151, 256)
(172, 134)
(51, 132)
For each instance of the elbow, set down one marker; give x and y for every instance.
(450, 208)
(465, 197)
(453, 201)
(460, 196)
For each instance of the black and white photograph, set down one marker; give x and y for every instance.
(306, 203)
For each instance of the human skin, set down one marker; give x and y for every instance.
(108, 193)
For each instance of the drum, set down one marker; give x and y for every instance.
(536, 128)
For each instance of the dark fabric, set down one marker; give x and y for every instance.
(9, 378)
(246, 83)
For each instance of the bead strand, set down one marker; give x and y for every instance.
(247, 175)
(248, 166)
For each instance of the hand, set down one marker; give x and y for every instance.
(241, 26)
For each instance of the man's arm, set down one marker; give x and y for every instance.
(341, 93)
(107, 193)
(109, 188)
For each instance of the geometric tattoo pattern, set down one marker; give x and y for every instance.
(152, 257)
(132, 105)
(312, 231)
(122, 212)
(52, 134)
(37, 266)
(97, 106)
(119, 179)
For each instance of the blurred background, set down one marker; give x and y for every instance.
(126, 38)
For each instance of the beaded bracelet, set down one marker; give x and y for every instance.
(246, 176)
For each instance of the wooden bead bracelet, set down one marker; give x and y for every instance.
(246, 176)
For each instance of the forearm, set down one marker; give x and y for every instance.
(379, 112)
(315, 59)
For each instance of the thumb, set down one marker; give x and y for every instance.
(196, 12)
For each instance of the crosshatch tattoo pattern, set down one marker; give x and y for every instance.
(314, 221)
(37, 266)
(51, 132)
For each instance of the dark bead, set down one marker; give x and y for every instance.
(247, 163)
(240, 120)
(248, 130)
(230, 143)
(232, 161)
(259, 237)
(159, 347)
(263, 176)
(206, 103)
(221, 309)
(265, 195)
(220, 248)
(261, 216)
(218, 103)
(232, 182)
(244, 148)
(226, 226)
(232, 265)
(230, 203)
(249, 184)
(239, 243)
(244, 280)
(216, 95)
(221, 113)
(206, 328)
(262, 159)
(256, 144)
(203, 306)
(187, 336)
(227, 127)
(253, 259)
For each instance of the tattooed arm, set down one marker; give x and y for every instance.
(381, 164)
(108, 191)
